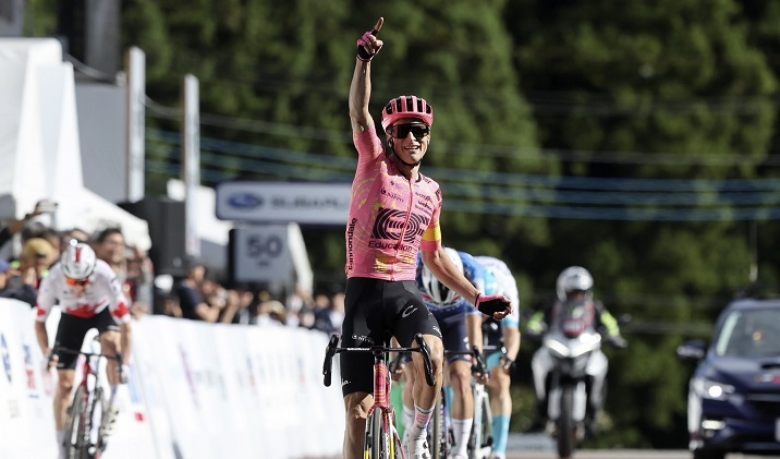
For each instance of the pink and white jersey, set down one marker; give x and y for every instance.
(103, 291)
(390, 217)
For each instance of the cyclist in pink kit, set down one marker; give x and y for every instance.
(394, 213)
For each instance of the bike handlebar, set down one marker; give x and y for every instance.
(377, 351)
(64, 350)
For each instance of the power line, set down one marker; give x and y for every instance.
(505, 178)
(497, 151)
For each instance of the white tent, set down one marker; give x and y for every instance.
(40, 156)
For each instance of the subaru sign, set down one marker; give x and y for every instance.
(313, 203)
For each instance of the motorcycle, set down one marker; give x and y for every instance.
(571, 369)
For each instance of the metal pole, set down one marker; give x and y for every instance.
(191, 162)
(136, 123)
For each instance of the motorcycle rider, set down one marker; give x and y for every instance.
(574, 285)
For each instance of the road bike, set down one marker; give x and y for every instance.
(442, 437)
(85, 437)
(481, 438)
(381, 440)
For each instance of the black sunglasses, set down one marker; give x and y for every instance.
(418, 130)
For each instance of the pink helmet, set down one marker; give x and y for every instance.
(406, 107)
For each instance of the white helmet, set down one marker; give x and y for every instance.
(435, 289)
(78, 261)
(573, 278)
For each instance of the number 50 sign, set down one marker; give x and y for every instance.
(261, 254)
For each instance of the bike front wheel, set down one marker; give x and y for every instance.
(77, 435)
(380, 442)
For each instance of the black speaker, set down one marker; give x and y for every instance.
(166, 228)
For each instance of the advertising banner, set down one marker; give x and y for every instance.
(305, 203)
(195, 390)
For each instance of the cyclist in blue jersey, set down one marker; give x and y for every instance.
(500, 281)
(450, 311)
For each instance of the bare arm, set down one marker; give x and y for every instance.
(474, 327)
(360, 89)
(43, 338)
(126, 340)
(442, 267)
(206, 312)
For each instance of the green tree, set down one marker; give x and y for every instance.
(677, 77)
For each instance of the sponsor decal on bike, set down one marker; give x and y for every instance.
(359, 339)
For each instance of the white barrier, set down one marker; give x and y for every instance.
(196, 391)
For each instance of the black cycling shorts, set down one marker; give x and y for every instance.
(376, 310)
(455, 337)
(71, 332)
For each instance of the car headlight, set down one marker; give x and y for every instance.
(712, 390)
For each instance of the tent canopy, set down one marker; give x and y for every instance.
(40, 155)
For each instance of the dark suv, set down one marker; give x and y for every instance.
(734, 394)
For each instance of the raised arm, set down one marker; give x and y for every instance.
(360, 89)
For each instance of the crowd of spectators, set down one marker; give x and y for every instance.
(197, 296)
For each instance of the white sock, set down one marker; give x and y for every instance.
(421, 418)
(60, 437)
(408, 417)
(462, 429)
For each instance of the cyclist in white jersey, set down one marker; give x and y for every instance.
(90, 296)
(499, 365)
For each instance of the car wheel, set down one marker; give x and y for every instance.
(708, 454)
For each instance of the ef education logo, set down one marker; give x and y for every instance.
(245, 201)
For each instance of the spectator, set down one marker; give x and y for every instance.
(238, 307)
(272, 313)
(110, 247)
(15, 226)
(191, 301)
(74, 233)
(33, 265)
(139, 282)
(322, 313)
(337, 312)
(171, 306)
(5, 267)
(38, 254)
(54, 238)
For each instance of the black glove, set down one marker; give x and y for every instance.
(491, 304)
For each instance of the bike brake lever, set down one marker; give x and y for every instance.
(426, 359)
(326, 365)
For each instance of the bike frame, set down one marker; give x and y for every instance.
(381, 392)
(89, 393)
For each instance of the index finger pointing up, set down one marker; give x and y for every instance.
(378, 26)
